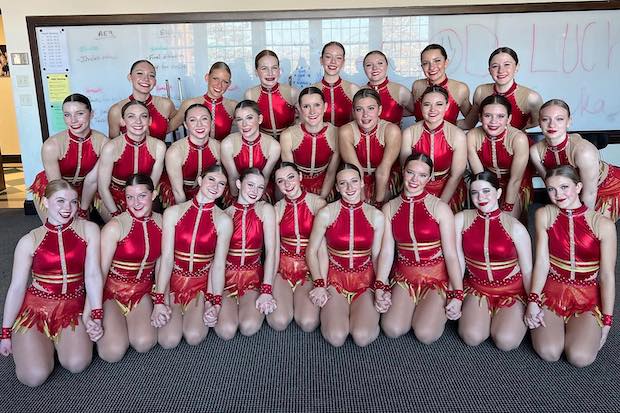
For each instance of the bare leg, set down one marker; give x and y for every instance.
(364, 319)
(507, 327)
(33, 353)
(548, 341)
(306, 313)
(335, 319)
(582, 341)
(250, 319)
(142, 335)
(475, 323)
(115, 341)
(397, 321)
(74, 348)
(228, 319)
(283, 294)
(429, 318)
(169, 336)
(194, 328)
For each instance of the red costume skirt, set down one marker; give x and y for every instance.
(239, 279)
(499, 294)
(118, 195)
(50, 313)
(458, 198)
(420, 279)
(126, 291)
(293, 268)
(351, 284)
(186, 286)
(608, 195)
(167, 196)
(40, 183)
(314, 185)
(567, 299)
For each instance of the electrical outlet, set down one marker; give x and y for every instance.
(22, 81)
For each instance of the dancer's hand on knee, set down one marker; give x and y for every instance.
(534, 316)
(453, 309)
(319, 296)
(94, 329)
(383, 300)
(5, 347)
(266, 304)
(211, 314)
(160, 315)
(604, 334)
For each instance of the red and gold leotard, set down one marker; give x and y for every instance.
(518, 96)
(55, 299)
(491, 259)
(349, 237)
(244, 269)
(295, 221)
(252, 154)
(196, 159)
(391, 109)
(158, 128)
(574, 261)
(339, 99)
(132, 272)
(195, 239)
(312, 153)
(453, 109)
(278, 113)
(222, 111)
(419, 265)
(608, 194)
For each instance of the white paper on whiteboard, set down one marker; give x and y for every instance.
(53, 49)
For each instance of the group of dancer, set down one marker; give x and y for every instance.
(318, 209)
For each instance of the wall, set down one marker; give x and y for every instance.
(9, 141)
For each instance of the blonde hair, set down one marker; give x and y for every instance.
(57, 185)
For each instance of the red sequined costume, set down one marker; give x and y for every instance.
(196, 159)
(491, 259)
(77, 158)
(419, 266)
(55, 299)
(195, 239)
(349, 237)
(518, 96)
(369, 148)
(276, 106)
(132, 272)
(391, 109)
(496, 154)
(438, 144)
(295, 220)
(244, 269)
(339, 99)
(453, 109)
(222, 115)
(312, 153)
(574, 261)
(158, 128)
(608, 193)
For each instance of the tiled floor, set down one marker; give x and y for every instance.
(15, 193)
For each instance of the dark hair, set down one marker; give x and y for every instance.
(435, 89)
(348, 166)
(556, 102)
(79, 98)
(310, 90)
(333, 43)
(137, 62)
(434, 46)
(250, 171)
(132, 103)
(496, 100)
(140, 179)
(247, 103)
(506, 50)
(287, 164)
(367, 93)
(214, 168)
(197, 105)
(264, 53)
(418, 156)
(379, 52)
(56, 185)
(486, 176)
(566, 171)
(220, 65)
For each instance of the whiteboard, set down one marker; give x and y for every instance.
(574, 56)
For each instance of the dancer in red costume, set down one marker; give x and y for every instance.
(525, 102)
(130, 251)
(276, 101)
(600, 180)
(248, 289)
(495, 251)
(71, 155)
(218, 81)
(195, 242)
(503, 150)
(434, 64)
(294, 215)
(372, 144)
(313, 145)
(444, 143)
(161, 109)
(343, 282)
(338, 93)
(135, 152)
(428, 289)
(53, 313)
(573, 285)
(188, 158)
(396, 99)
(249, 148)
